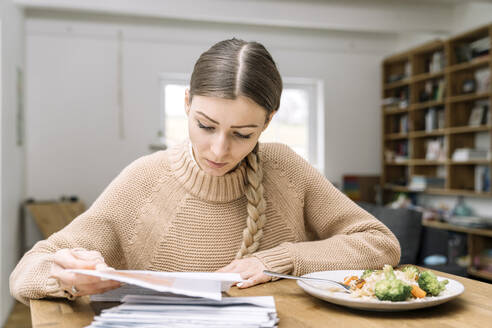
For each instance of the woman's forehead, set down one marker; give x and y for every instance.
(237, 111)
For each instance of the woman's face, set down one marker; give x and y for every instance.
(223, 131)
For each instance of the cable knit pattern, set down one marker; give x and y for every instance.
(163, 213)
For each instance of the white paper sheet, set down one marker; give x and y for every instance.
(196, 284)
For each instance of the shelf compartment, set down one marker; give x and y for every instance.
(468, 97)
(396, 175)
(397, 163)
(457, 192)
(426, 162)
(396, 126)
(463, 177)
(394, 110)
(480, 273)
(397, 84)
(397, 188)
(426, 104)
(460, 113)
(471, 162)
(424, 134)
(468, 129)
(396, 136)
(474, 63)
(452, 227)
(427, 76)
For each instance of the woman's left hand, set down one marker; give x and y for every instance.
(249, 268)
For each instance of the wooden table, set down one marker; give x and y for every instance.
(298, 309)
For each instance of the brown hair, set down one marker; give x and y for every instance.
(233, 68)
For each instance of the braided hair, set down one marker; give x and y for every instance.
(233, 68)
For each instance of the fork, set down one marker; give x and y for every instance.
(306, 279)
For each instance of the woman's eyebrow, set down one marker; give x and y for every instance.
(212, 120)
(233, 126)
(244, 126)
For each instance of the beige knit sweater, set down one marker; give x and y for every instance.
(163, 213)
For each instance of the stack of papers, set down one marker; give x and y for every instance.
(183, 312)
(179, 299)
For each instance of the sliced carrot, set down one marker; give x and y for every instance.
(349, 279)
(418, 292)
(359, 283)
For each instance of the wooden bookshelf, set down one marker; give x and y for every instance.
(407, 130)
(477, 240)
(416, 86)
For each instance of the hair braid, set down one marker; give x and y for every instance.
(256, 207)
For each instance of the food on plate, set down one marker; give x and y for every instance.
(428, 282)
(405, 284)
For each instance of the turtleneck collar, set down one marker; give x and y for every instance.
(207, 187)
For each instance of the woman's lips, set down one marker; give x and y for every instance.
(215, 165)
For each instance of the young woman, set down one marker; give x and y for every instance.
(218, 202)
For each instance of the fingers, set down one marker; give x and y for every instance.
(79, 258)
(256, 279)
(250, 269)
(91, 289)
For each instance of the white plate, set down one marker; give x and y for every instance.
(320, 290)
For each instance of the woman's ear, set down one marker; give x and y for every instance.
(187, 101)
(269, 119)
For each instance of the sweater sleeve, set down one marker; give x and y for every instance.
(347, 237)
(103, 227)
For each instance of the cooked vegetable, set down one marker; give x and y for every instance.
(360, 283)
(418, 292)
(391, 288)
(411, 271)
(366, 274)
(347, 280)
(428, 282)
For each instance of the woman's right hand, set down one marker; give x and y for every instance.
(78, 284)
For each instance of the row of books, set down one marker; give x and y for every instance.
(482, 178)
(467, 51)
(467, 154)
(422, 182)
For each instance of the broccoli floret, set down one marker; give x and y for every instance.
(366, 274)
(411, 272)
(388, 272)
(428, 282)
(390, 288)
(393, 290)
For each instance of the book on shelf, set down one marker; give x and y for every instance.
(404, 124)
(467, 154)
(482, 178)
(435, 150)
(437, 62)
(482, 79)
(441, 89)
(422, 182)
(431, 119)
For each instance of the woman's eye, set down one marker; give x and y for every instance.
(201, 126)
(242, 135)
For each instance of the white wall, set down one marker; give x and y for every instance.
(468, 16)
(73, 140)
(12, 155)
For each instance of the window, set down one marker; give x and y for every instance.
(299, 122)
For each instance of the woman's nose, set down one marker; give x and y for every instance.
(220, 147)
